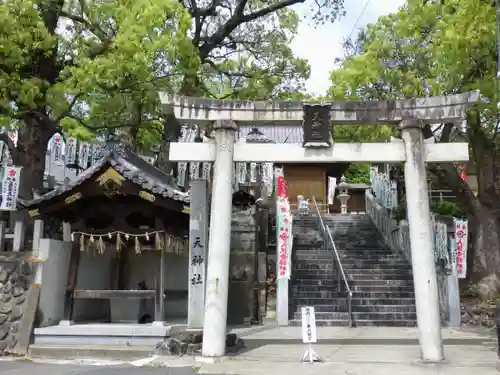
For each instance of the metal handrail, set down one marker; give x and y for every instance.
(326, 230)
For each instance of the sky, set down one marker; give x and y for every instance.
(320, 45)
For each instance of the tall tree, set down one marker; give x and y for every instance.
(60, 59)
(429, 48)
(244, 48)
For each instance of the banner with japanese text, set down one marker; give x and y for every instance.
(460, 250)
(10, 188)
(71, 151)
(284, 220)
(332, 185)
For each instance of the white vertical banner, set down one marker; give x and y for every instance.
(13, 135)
(206, 171)
(70, 151)
(10, 188)
(194, 168)
(253, 172)
(461, 237)
(83, 155)
(394, 194)
(332, 185)
(96, 153)
(57, 148)
(242, 173)
(181, 173)
(284, 242)
(289, 242)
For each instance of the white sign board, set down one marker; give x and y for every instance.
(10, 188)
(460, 257)
(308, 325)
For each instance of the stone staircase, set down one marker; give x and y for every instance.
(381, 280)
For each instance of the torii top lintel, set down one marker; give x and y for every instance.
(429, 110)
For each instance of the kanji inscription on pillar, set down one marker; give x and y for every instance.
(197, 270)
(198, 252)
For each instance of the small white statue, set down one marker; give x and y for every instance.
(303, 205)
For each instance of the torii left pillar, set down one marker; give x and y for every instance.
(215, 317)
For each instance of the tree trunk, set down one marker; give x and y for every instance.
(483, 259)
(486, 247)
(30, 154)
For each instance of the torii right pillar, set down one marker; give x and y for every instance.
(422, 251)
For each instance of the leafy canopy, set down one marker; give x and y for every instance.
(85, 65)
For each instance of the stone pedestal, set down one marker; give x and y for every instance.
(343, 198)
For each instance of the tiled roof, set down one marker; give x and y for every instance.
(276, 133)
(131, 166)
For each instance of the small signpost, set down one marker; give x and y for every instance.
(309, 334)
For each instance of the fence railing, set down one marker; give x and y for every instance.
(341, 276)
(397, 235)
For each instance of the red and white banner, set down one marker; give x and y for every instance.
(284, 221)
(460, 250)
(462, 171)
(281, 184)
(10, 188)
(56, 151)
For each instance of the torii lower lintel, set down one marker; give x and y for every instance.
(338, 153)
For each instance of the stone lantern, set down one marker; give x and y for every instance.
(343, 195)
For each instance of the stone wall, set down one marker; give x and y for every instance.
(15, 279)
(242, 277)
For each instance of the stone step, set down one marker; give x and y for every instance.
(363, 308)
(322, 293)
(373, 266)
(330, 278)
(310, 285)
(359, 323)
(354, 255)
(389, 298)
(386, 276)
(356, 301)
(299, 267)
(373, 316)
(312, 275)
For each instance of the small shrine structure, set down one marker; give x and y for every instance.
(129, 258)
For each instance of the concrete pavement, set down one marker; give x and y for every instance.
(24, 368)
(358, 351)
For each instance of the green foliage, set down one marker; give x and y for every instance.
(399, 213)
(96, 66)
(424, 46)
(92, 66)
(358, 174)
(447, 208)
(431, 49)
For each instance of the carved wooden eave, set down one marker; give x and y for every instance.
(429, 110)
(118, 172)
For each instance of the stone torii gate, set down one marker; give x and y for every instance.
(409, 115)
